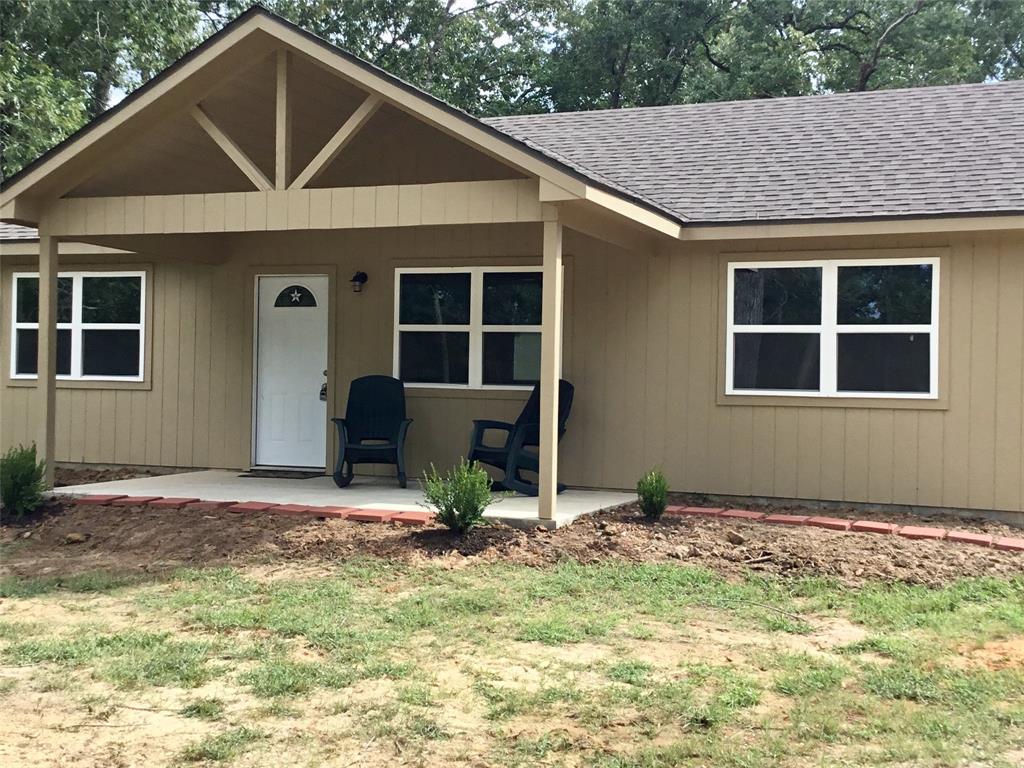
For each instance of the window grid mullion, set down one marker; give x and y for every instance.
(441, 328)
(882, 328)
(776, 328)
(829, 340)
(511, 329)
(76, 326)
(476, 321)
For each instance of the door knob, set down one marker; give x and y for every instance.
(323, 391)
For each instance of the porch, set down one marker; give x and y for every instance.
(364, 493)
(271, 163)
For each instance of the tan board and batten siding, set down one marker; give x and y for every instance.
(642, 344)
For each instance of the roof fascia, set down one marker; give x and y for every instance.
(907, 226)
(552, 193)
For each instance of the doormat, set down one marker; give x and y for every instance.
(282, 474)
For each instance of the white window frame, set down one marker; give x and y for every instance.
(76, 326)
(476, 328)
(829, 329)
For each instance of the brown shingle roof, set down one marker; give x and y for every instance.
(947, 150)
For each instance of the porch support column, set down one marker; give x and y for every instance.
(550, 363)
(46, 384)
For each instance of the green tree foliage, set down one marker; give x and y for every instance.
(620, 53)
(39, 107)
(480, 55)
(65, 61)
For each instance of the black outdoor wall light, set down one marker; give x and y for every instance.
(358, 281)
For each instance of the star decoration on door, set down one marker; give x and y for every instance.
(295, 296)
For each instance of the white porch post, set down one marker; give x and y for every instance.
(46, 384)
(550, 364)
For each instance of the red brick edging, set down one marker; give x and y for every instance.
(912, 532)
(292, 510)
(363, 515)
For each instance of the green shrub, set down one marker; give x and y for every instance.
(21, 481)
(460, 497)
(652, 490)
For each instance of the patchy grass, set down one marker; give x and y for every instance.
(802, 675)
(612, 666)
(126, 659)
(204, 709)
(223, 747)
(282, 677)
(630, 671)
(96, 582)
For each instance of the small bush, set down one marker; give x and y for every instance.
(21, 481)
(460, 497)
(652, 490)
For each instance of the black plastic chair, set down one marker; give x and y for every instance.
(520, 450)
(374, 428)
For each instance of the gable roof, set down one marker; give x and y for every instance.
(475, 132)
(909, 152)
(922, 152)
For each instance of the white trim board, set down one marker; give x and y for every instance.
(829, 329)
(475, 328)
(77, 326)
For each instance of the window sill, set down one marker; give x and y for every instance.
(890, 403)
(83, 384)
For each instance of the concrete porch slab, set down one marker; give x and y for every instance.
(365, 493)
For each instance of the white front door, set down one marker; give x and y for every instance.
(291, 361)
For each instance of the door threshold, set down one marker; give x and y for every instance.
(273, 468)
(283, 468)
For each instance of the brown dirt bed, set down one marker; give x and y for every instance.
(80, 474)
(67, 540)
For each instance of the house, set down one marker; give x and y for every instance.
(815, 298)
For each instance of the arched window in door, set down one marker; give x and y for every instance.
(295, 296)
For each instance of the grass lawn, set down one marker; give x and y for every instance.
(373, 663)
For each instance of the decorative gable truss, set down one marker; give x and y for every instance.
(283, 137)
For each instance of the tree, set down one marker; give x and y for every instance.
(870, 44)
(65, 61)
(617, 53)
(76, 57)
(998, 28)
(481, 56)
(39, 107)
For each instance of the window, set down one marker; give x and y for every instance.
(100, 322)
(295, 296)
(468, 326)
(839, 328)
